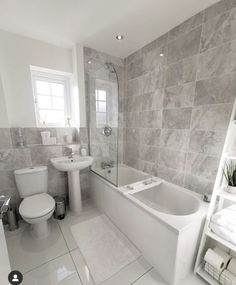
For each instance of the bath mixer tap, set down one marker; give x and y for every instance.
(107, 164)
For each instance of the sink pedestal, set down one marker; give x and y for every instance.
(75, 201)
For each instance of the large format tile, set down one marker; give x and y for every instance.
(170, 174)
(130, 273)
(218, 8)
(208, 142)
(172, 159)
(185, 46)
(219, 30)
(150, 278)
(176, 118)
(175, 139)
(26, 253)
(202, 165)
(218, 61)
(41, 155)
(181, 72)
(186, 26)
(5, 138)
(58, 271)
(152, 101)
(16, 158)
(216, 90)
(179, 96)
(198, 184)
(211, 117)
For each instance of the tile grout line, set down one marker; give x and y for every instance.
(69, 252)
(141, 276)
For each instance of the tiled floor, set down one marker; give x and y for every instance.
(58, 260)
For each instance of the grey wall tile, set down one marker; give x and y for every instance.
(186, 26)
(41, 155)
(175, 139)
(181, 72)
(211, 117)
(218, 61)
(150, 119)
(172, 159)
(216, 90)
(148, 153)
(153, 100)
(202, 165)
(219, 30)
(176, 118)
(150, 137)
(198, 184)
(135, 86)
(11, 159)
(218, 8)
(171, 175)
(208, 142)
(5, 138)
(153, 80)
(179, 96)
(185, 46)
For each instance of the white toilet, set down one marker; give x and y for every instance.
(37, 206)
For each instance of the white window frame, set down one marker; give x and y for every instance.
(43, 74)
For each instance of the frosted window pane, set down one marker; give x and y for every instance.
(43, 87)
(58, 103)
(101, 118)
(102, 106)
(102, 94)
(57, 89)
(44, 102)
(52, 116)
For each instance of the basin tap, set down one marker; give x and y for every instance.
(71, 155)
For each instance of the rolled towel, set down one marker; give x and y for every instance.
(212, 271)
(223, 254)
(227, 278)
(214, 259)
(232, 266)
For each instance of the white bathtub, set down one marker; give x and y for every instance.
(163, 220)
(125, 175)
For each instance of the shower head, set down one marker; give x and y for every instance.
(110, 67)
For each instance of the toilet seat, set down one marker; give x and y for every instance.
(37, 206)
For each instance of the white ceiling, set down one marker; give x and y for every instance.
(95, 23)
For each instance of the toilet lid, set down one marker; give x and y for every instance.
(36, 206)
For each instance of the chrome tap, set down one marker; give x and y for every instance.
(107, 164)
(4, 204)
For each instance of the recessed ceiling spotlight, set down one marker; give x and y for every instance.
(119, 37)
(161, 54)
(89, 62)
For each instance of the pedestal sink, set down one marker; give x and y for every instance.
(73, 166)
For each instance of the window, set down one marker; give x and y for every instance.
(101, 107)
(52, 98)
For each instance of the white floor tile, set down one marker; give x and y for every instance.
(88, 212)
(82, 267)
(27, 253)
(150, 278)
(130, 273)
(58, 271)
(153, 278)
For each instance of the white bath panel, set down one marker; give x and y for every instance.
(105, 249)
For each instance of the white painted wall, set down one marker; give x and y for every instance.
(17, 53)
(3, 111)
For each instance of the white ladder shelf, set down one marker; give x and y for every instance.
(219, 196)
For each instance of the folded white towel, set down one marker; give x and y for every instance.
(227, 278)
(223, 233)
(226, 218)
(212, 271)
(214, 259)
(232, 266)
